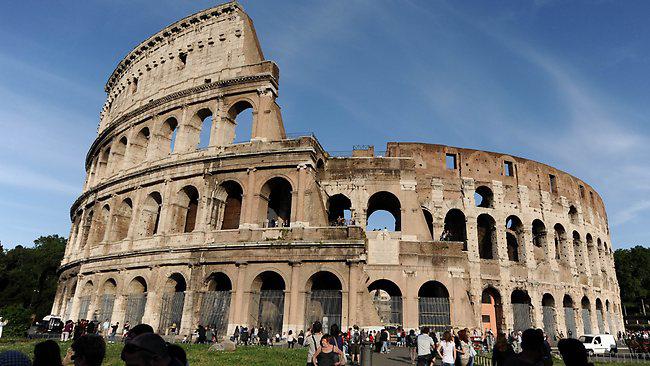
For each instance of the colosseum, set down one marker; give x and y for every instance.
(180, 224)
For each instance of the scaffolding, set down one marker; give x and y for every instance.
(215, 307)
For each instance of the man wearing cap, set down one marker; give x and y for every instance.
(147, 349)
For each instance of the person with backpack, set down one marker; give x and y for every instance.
(301, 338)
(412, 344)
(425, 346)
(355, 345)
(312, 342)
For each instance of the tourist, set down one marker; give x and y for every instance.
(114, 331)
(328, 354)
(3, 323)
(425, 346)
(106, 325)
(489, 339)
(235, 336)
(355, 345)
(126, 328)
(87, 350)
(313, 341)
(464, 350)
(14, 358)
(291, 340)
(148, 349)
(209, 334)
(502, 350)
(532, 345)
(67, 330)
(412, 344)
(301, 338)
(200, 339)
(385, 339)
(335, 333)
(244, 336)
(47, 353)
(573, 352)
(137, 330)
(446, 350)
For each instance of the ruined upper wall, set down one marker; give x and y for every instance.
(212, 45)
(485, 167)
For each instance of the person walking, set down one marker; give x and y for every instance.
(465, 347)
(412, 344)
(67, 330)
(355, 345)
(502, 350)
(447, 349)
(313, 341)
(291, 340)
(425, 345)
(384, 338)
(3, 323)
(328, 354)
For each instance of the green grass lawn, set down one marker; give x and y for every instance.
(196, 354)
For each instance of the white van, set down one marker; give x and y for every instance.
(599, 343)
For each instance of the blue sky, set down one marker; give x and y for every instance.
(566, 83)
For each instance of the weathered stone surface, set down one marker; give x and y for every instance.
(177, 238)
(227, 346)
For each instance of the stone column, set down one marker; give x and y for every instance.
(353, 293)
(74, 311)
(410, 309)
(249, 204)
(187, 322)
(298, 211)
(240, 312)
(294, 318)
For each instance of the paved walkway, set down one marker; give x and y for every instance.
(397, 356)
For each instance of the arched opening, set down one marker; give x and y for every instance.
(150, 214)
(104, 157)
(231, 205)
(84, 300)
(387, 300)
(560, 243)
(339, 210)
(608, 311)
(324, 300)
(185, 210)
(87, 228)
(514, 238)
(205, 116)
(491, 310)
(521, 310)
(483, 197)
(487, 237)
(267, 301)
(384, 212)
(433, 306)
(586, 315)
(455, 227)
(139, 146)
(215, 305)
(600, 316)
(569, 317)
(173, 301)
(122, 220)
(241, 117)
(101, 224)
(119, 151)
(168, 133)
(539, 240)
(73, 287)
(578, 254)
(592, 255)
(136, 300)
(428, 218)
(548, 315)
(276, 198)
(106, 301)
(573, 214)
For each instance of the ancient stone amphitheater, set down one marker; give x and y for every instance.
(178, 225)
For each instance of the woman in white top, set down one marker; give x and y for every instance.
(447, 350)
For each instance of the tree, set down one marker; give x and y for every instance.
(28, 277)
(633, 273)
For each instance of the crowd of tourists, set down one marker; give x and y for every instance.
(141, 347)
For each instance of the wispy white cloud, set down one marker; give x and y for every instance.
(23, 177)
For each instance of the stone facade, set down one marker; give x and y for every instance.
(173, 233)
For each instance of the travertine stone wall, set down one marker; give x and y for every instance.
(158, 214)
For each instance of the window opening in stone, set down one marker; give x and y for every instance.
(486, 229)
(151, 215)
(339, 210)
(240, 127)
(102, 224)
(491, 310)
(428, 218)
(387, 300)
(191, 203)
(539, 233)
(182, 58)
(548, 314)
(553, 183)
(582, 191)
(215, 304)
(573, 215)
(455, 227)
(521, 309)
(277, 195)
(169, 129)
(205, 115)
(384, 212)
(138, 147)
(122, 219)
(172, 304)
(433, 306)
(483, 197)
(586, 315)
(232, 205)
(514, 238)
(509, 168)
(450, 161)
(578, 255)
(569, 316)
(591, 196)
(324, 299)
(134, 85)
(560, 242)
